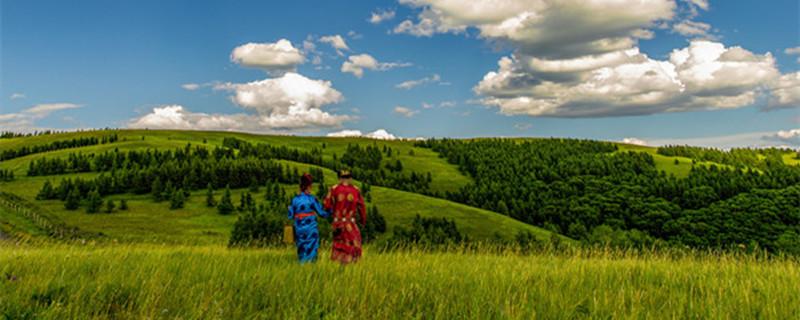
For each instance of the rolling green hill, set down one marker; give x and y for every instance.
(148, 221)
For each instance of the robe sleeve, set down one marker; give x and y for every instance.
(320, 210)
(291, 211)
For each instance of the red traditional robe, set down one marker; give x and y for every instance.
(345, 204)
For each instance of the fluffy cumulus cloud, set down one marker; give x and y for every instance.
(337, 42)
(785, 92)
(17, 95)
(380, 134)
(793, 51)
(356, 64)
(290, 102)
(286, 102)
(277, 57)
(580, 58)
(405, 112)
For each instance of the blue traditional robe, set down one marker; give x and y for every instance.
(303, 211)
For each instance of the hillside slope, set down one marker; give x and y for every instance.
(148, 221)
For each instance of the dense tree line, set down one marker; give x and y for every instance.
(737, 157)
(587, 191)
(363, 161)
(57, 145)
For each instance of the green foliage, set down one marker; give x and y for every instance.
(6, 175)
(590, 191)
(225, 206)
(73, 199)
(258, 227)
(428, 232)
(110, 206)
(94, 202)
(177, 199)
(210, 200)
(157, 190)
(123, 205)
(376, 225)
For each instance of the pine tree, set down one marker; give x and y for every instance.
(322, 190)
(157, 189)
(177, 199)
(253, 185)
(46, 192)
(95, 202)
(110, 206)
(210, 201)
(123, 204)
(225, 206)
(73, 199)
(169, 190)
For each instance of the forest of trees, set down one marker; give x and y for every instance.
(56, 145)
(580, 189)
(737, 157)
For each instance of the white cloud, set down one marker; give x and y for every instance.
(17, 95)
(789, 137)
(381, 16)
(634, 141)
(43, 110)
(785, 92)
(276, 58)
(380, 134)
(356, 64)
(693, 28)
(793, 51)
(24, 121)
(703, 76)
(447, 104)
(406, 112)
(354, 35)
(345, 133)
(291, 101)
(190, 86)
(426, 105)
(337, 42)
(546, 28)
(407, 85)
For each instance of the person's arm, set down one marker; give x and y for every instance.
(328, 202)
(360, 208)
(320, 210)
(291, 211)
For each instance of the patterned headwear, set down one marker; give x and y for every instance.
(305, 181)
(345, 174)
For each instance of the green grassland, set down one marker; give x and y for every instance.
(150, 222)
(211, 282)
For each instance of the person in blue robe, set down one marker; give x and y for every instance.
(303, 211)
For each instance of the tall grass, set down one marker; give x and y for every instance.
(144, 281)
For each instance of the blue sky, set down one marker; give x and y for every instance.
(83, 64)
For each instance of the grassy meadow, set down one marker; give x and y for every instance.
(194, 282)
(150, 262)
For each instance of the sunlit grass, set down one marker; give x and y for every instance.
(142, 281)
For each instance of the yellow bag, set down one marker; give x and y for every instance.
(288, 234)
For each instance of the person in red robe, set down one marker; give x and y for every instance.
(345, 204)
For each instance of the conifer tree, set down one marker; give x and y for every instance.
(110, 206)
(225, 206)
(157, 189)
(177, 199)
(123, 204)
(73, 199)
(210, 201)
(95, 202)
